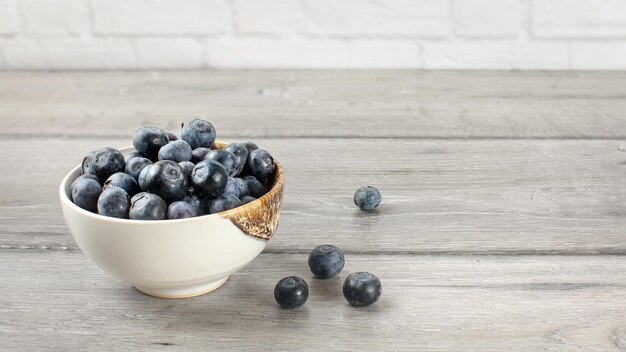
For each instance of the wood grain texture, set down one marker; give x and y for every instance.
(254, 104)
(59, 301)
(480, 196)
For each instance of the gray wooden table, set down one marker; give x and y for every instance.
(502, 226)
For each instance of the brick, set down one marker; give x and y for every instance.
(542, 55)
(606, 55)
(269, 16)
(426, 18)
(468, 55)
(8, 17)
(54, 18)
(262, 52)
(487, 18)
(69, 54)
(578, 18)
(169, 53)
(384, 54)
(160, 17)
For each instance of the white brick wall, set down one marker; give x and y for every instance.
(430, 34)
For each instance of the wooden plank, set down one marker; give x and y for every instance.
(255, 104)
(479, 196)
(58, 301)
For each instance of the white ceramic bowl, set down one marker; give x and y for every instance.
(175, 258)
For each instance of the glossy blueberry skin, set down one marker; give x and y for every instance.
(176, 151)
(131, 155)
(147, 206)
(291, 292)
(134, 166)
(123, 181)
(148, 141)
(247, 199)
(142, 179)
(367, 198)
(198, 133)
(181, 210)
(167, 180)
(255, 188)
(187, 167)
(241, 152)
(171, 136)
(195, 200)
(261, 164)
(362, 289)
(226, 158)
(85, 193)
(114, 202)
(326, 261)
(209, 178)
(103, 163)
(89, 176)
(198, 154)
(223, 203)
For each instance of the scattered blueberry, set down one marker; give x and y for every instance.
(261, 164)
(181, 210)
(176, 151)
(367, 198)
(147, 206)
(226, 158)
(326, 261)
(247, 199)
(255, 188)
(209, 178)
(291, 292)
(187, 167)
(134, 154)
(134, 166)
(241, 152)
(82, 177)
(223, 203)
(195, 200)
(362, 289)
(123, 181)
(85, 193)
(198, 154)
(148, 141)
(142, 179)
(103, 163)
(166, 179)
(198, 133)
(171, 136)
(114, 202)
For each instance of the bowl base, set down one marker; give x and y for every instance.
(185, 292)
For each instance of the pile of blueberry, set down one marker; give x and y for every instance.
(359, 289)
(170, 178)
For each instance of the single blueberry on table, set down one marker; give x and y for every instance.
(82, 177)
(187, 167)
(362, 289)
(261, 164)
(326, 261)
(198, 154)
(171, 136)
(167, 180)
(241, 152)
(134, 166)
(226, 158)
(85, 193)
(123, 181)
(134, 154)
(209, 178)
(176, 151)
(195, 200)
(223, 203)
(147, 206)
(114, 202)
(367, 198)
(148, 141)
(291, 292)
(247, 199)
(181, 210)
(103, 162)
(198, 133)
(143, 177)
(255, 188)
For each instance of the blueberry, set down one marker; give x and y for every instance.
(134, 154)
(223, 203)
(135, 165)
(147, 206)
(103, 162)
(171, 136)
(326, 261)
(142, 179)
(148, 141)
(261, 164)
(209, 178)
(176, 151)
(167, 180)
(195, 200)
(85, 193)
(242, 185)
(291, 292)
(251, 146)
(241, 152)
(181, 210)
(198, 133)
(114, 202)
(247, 199)
(187, 167)
(123, 181)
(226, 158)
(255, 188)
(362, 289)
(198, 154)
(367, 198)
(232, 187)
(89, 176)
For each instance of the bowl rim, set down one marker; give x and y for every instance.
(277, 186)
